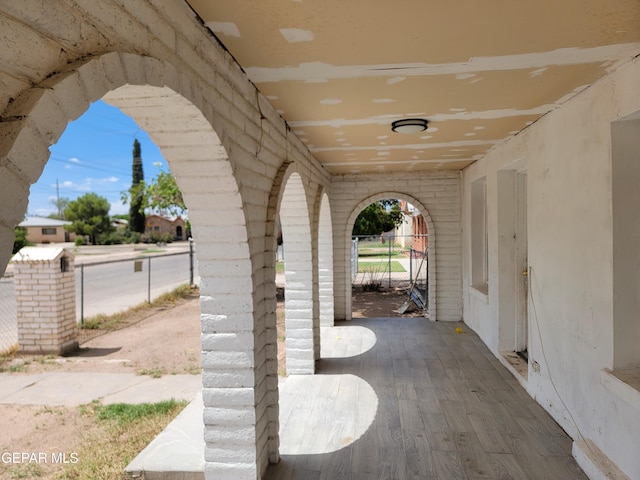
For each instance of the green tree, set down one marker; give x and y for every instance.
(393, 216)
(136, 193)
(161, 195)
(164, 195)
(61, 205)
(89, 215)
(378, 217)
(369, 221)
(20, 239)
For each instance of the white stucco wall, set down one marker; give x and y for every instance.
(567, 158)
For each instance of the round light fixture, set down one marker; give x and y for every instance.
(409, 125)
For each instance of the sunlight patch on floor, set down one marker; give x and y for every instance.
(338, 409)
(345, 342)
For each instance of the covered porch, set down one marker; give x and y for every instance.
(398, 398)
(405, 398)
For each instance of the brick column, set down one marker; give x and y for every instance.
(299, 291)
(45, 300)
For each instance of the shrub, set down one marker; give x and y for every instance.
(133, 237)
(20, 239)
(113, 238)
(156, 237)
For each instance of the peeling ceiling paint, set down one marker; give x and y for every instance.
(294, 35)
(224, 28)
(341, 72)
(318, 71)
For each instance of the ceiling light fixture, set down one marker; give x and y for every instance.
(409, 125)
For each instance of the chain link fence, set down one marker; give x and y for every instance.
(392, 261)
(108, 287)
(8, 324)
(116, 285)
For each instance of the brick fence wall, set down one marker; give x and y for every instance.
(45, 302)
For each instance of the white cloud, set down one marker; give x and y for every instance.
(87, 184)
(42, 212)
(83, 186)
(74, 160)
(108, 180)
(118, 208)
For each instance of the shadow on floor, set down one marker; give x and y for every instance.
(409, 399)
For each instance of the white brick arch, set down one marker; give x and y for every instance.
(325, 262)
(175, 113)
(301, 320)
(432, 241)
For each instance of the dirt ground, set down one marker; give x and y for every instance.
(384, 303)
(157, 342)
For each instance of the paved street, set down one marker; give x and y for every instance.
(111, 287)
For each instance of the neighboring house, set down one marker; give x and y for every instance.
(157, 225)
(120, 224)
(47, 230)
(420, 233)
(417, 229)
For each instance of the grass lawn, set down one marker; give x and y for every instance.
(117, 320)
(121, 432)
(379, 250)
(380, 266)
(379, 253)
(150, 250)
(368, 244)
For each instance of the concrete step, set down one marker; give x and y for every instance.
(177, 453)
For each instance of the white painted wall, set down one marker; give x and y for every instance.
(567, 157)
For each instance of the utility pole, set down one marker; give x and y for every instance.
(58, 200)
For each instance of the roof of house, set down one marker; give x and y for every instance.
(166, 219)
(38, 254)
(42, 222)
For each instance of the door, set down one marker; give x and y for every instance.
(522, 266)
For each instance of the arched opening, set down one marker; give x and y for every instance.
(398, 264)
(124, 256)
(173, 117)
(301, 324)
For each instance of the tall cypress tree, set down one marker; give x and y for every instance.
(136, 211)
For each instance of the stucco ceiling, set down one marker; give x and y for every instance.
(341, 71)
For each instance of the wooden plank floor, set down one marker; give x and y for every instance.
(409, 399)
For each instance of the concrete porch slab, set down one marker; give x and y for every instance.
(177, 453)
(400, 395)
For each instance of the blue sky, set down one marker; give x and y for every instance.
(94, 154)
